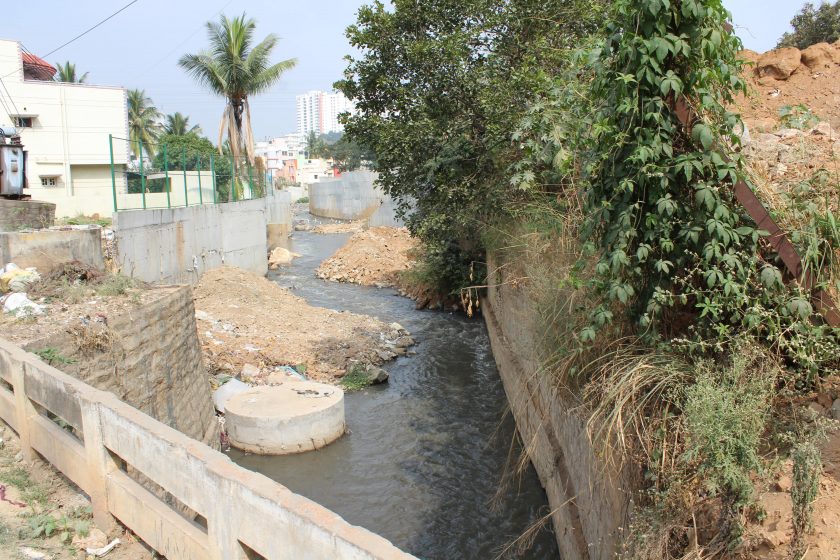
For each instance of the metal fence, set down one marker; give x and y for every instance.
(173, 176)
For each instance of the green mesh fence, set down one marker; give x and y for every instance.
(172, 176)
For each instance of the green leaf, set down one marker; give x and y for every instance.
(703, 134)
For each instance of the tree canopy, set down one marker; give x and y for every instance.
(440, 87)
(67, 73)
(236, 68)
(814, 25)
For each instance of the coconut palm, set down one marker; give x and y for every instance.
(142, 122)
(233, 69)
(67, 73)
(179, 125)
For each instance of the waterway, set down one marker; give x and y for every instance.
(424, 463)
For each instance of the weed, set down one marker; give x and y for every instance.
(303, 200)
(5, 533)
(31, 491)
(115, 285)
(356, 379)
(797, 116)
(45, 525)
(82, 220)
(52, 356)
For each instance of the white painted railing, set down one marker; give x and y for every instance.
(240, 514)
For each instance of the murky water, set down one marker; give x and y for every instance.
(425, 458)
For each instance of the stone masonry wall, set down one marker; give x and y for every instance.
(25, 214)
(149, 357)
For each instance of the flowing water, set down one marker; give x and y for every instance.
(426, 453)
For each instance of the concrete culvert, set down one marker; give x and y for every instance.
(294, 417)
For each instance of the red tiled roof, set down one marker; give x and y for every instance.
(41, 68)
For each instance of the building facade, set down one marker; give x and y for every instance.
(64, 129)
(319, 112)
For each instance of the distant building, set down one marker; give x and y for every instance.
(64, 129)
(318, 112)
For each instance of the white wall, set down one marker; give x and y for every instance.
(69, 135)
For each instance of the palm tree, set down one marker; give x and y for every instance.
(234, 70)
(67, 73)
(142, 122)
(179, 125)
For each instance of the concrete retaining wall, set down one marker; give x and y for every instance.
(588, 497)
(177, 245)
(25, 214)
(353, 196)
(247, 515)
(47, 249)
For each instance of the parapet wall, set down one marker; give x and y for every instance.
(589, 498)
(177, 245)
(247, 515)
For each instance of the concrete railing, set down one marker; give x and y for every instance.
(239, 514)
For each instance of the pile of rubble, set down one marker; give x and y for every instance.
(374, 257)
(252, 329)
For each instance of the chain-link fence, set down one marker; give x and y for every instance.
(178, 175)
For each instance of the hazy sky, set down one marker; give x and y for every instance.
(139, 48)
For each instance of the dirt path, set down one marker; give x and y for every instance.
(247, 320)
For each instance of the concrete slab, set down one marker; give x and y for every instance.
(290, 418)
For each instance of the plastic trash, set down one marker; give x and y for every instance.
(99, 552)
(226, 391)
(19, 304)
(289, 370)
(17, 279)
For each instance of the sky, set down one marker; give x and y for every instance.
(140, 47)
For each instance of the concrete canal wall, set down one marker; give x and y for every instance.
(353, 196)
(238, 514)
(587, 496)
(177, 245)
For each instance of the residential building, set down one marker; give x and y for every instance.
(64, 129)
(319, 112)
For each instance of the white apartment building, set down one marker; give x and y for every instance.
(64, 129)
(318, 112)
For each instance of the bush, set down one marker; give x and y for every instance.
(814, 25)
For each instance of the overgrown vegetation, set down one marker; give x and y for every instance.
(548, 134)
(814, 25)
(356, 379)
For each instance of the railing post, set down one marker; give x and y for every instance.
(100, 464)
(184, 161)
(113, 174)
(232, 177)
(250, 179)
(198, 169)
(166, 185)
(142, 176)
(213, 173)
(24, 410)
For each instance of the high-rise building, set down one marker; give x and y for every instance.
(318, 112)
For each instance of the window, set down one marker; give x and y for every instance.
(23, 122)
(47, 181)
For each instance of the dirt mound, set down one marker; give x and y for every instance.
(374, 257)
(790, 77)
(244, 319)
(344, 227)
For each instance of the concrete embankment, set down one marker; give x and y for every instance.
(353, 196)
(588, 497)
(177, 245)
